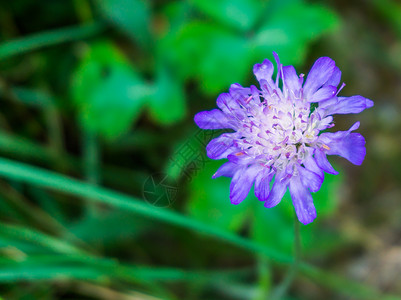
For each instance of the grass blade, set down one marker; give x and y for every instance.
(48, 38)
(46, 179)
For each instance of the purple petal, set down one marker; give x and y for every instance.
(262, 184)
(227, 170)
(220, 147)
(337, 135)
(323, 163)
(350, 105)
(255, 94)
(278, 190)
(291, 80)
(236, 88)
(311, 165)
(230, 106)
(349, 145)
(276, 58)
(325, 123)
(321, 71)
(213, 119)
(240, 158)
(325, 93)
(268, 88)
(225, 102)
(263, 70)
(310, 179)
(241, 183)
(335, 78)
(325, 104)
(239, 93)
(302, 201)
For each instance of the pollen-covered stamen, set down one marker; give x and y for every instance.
(248, 100)
(341, 87)
(277, 129)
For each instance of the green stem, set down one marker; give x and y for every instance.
(46, 179)
(264, 284)
(48, 38)
(91, 158)
(54, 128)
(284, 286)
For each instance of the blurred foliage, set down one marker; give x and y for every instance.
(108, 93)
(131, 16)
(248, 30)
(99, 95)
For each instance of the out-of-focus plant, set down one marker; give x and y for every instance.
(107, 90)
(182, 41)
(127, 71)
(218, 47)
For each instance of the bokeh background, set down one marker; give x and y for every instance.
(106, 191)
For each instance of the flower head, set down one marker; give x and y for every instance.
(277, 133)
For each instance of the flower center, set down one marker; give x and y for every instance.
(278, 132)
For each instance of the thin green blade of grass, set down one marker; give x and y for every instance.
(92, 162)
(18, 243)
(60, 268)
(113, 269)
(32, 214)
(24, 149)
(51, 268)
(12, 274)
(46, 179)
(27, 96)
(36, 176)
(24, 234)
(48, 204)
(16, 249)
(49, 38)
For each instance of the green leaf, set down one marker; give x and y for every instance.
(239, 14)
(177, 14)
(217, 57)
(213, 55)
(167, 105)
(109, 94)
(130, 16)
(289, 30)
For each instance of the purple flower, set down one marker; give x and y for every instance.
(276, 133)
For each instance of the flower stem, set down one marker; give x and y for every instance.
(91, 159)
(282, 289)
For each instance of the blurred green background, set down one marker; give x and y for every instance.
(105, 188)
